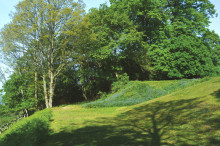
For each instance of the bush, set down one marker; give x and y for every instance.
(31, 131)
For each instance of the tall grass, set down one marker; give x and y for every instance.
(136, 92)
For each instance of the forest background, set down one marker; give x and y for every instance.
(60, 54)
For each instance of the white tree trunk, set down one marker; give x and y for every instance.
(52, 86)
(35, 90)
(45, 91)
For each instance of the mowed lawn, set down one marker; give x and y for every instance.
(188, 117)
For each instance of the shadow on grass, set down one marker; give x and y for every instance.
(180, 122)
(216, 94)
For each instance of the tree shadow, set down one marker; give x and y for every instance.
(178, 122)
(216, 94)
(158, 120)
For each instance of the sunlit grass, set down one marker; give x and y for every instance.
(187, 117)
(77, 115)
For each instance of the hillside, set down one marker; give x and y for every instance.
(135, 92)
(187, 117)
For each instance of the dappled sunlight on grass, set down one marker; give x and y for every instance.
(172, 122)
(187, 117)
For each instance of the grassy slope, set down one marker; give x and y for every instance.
(135, 92)
(187, 117)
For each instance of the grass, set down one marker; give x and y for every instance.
(136, 92)
(190, 116)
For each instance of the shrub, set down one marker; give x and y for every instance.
(28, 132)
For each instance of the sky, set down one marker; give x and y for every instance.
(6, 6)
(215, 22)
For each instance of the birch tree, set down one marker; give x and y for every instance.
(51, 33)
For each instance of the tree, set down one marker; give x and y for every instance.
(18, 92)
(54, 43)
(51, 33)
(212, 42)
(183, 53)
(121, 47)
(173, 31)
(68, 89)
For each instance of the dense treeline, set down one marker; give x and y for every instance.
(61, 55)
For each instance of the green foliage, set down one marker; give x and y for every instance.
(30, 131)
(137, 92)
(122, 81)
(53, 35)
(67, 90)
(19, 92)
(182, 57)
(5, 109)
(8, 114)
(76, 55)
(120, 46)
(175, 36)
(7, 117)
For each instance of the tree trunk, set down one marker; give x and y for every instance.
(26, 113)
(84, 92)
(35, 90)
(45, 91)
(50, 65)
(52, 86)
